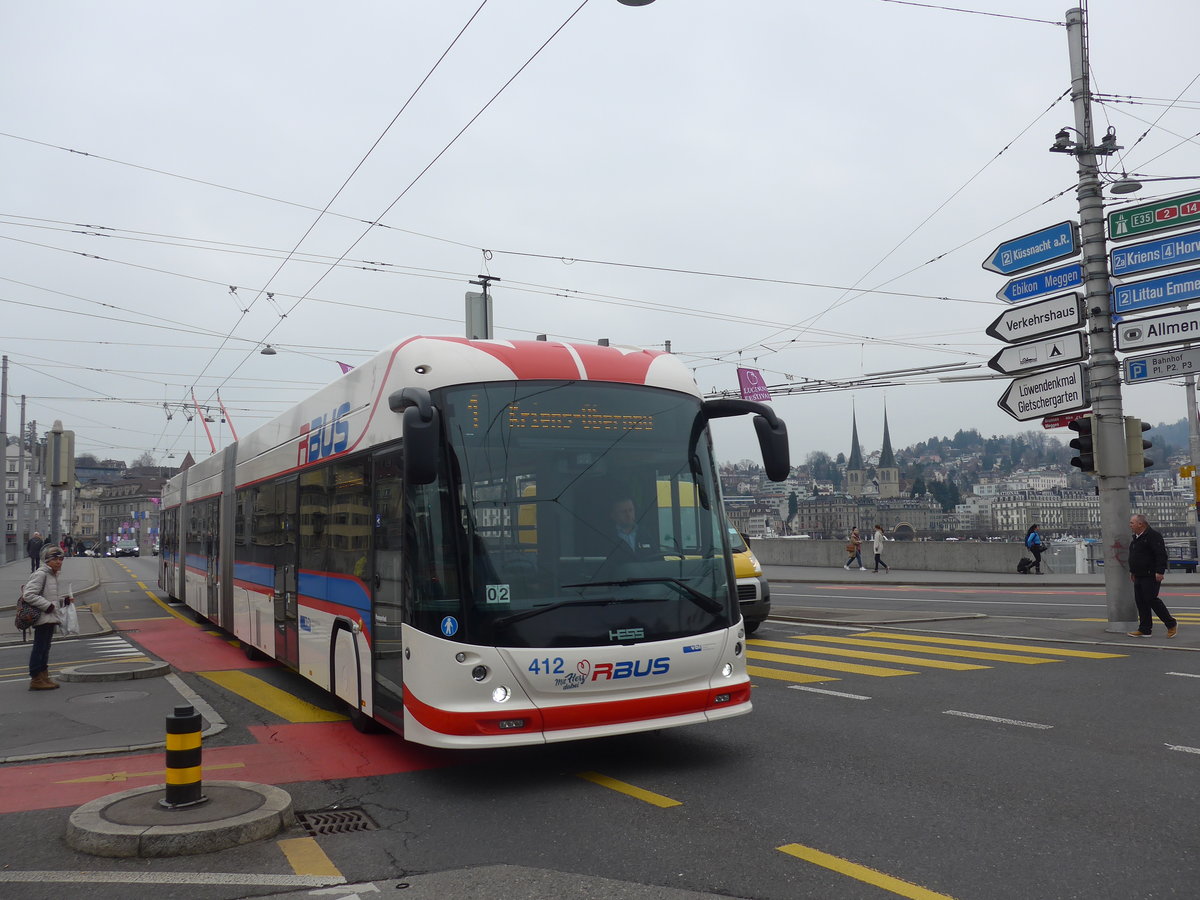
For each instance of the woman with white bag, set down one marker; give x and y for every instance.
(41, 591)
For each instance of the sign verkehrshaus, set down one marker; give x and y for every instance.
(1163, 253)
(1178, 287)
(1163, 364)
(1034, 249)
(1054, 391)
(1037, 284)
(1049, 316)
(1053, 351)
(1134, 221)
(1159, 331)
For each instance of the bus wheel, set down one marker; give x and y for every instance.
(251, 652)
(362, 723)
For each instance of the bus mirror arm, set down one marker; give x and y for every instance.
(422, 433)
(772, 431)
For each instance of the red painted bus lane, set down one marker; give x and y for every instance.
(187, 646)
(282, 754)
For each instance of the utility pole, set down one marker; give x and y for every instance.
(1104, 377)
(1194, 450)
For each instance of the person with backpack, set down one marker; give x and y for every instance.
(1033, 542)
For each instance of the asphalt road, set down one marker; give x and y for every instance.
(966, 771)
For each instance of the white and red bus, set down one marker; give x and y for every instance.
(431, 538)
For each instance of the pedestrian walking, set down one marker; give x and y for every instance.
(41, 590)
(33, 549)
(877, 540)
(854, 548)
(1147, 565)
(1033, 542)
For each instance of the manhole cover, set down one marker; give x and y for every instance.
(338, 821)
(111, 697)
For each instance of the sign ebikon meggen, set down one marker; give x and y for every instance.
(1037, 284)
(1134, 221)
(1034, 249)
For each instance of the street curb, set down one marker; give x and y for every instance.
(146, 832)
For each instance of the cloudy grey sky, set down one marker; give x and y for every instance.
(807, 188)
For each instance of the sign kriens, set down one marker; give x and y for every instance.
(1038, 354)
(1163, 364)
(1034, 396)
(1049, 316)
(1034, 249)
(1159, 331)
(1176, 250)
(1134, 221)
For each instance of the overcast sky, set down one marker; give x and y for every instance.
(806, 188)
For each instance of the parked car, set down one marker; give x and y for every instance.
(754, 593)
(125, 548)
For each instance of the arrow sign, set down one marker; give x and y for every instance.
(1049, 316)
(1038, 354)
(1159, 331)
(1052, 281)
(1134, 221)
(1176, 250)
(1034, 249)
(1034, 396)
(1163, 364)
(1163, 291)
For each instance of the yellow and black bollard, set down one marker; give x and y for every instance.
(183, 759)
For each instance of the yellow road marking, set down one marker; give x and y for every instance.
(863, 873)
(812, 663)
(990, 645)
(780, 675)
(306, 857)
(271, 698)
(624, 788)
(157, 773)
(878, 657)
(969, 654)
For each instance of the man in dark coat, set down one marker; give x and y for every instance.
(1147, 565)
(33, 549)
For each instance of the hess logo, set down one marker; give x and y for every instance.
(324, 436)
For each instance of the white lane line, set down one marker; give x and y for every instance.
(1182, 749)
(1184, 674)
(170, 878)
(967, 715)
(950, 600)
(813, 690)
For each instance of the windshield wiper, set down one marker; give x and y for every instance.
(504, 621)
(705, 602)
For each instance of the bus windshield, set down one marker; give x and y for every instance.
(571, 514)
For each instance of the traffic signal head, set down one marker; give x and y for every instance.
(1135, 445)
(1085, 444)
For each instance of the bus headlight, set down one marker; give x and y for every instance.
(501, 694)
(726, 670)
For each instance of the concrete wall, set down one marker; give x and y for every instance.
(939, 556)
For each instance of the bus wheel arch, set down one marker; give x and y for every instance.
(343, 661)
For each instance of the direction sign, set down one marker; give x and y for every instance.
(1165, 290)
(1176, 250)
(1052, 281)
(1134, 221)
(1049, 316)
(1034, 249)
(1058, 390)
(1064, 420)
(1163, 364)
(1159, 331)
(1038, 354)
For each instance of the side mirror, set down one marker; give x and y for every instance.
(772, 431)
(422, 427)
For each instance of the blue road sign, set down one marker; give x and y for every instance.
(1163, 253)
(1169, 289)
(1035, 249)
(1052, 281)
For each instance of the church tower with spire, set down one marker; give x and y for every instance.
(887, 472)
(856, 473)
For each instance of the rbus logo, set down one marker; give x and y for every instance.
(324, 436)
(631, 669)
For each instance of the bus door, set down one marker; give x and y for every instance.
(386, 580)
(287, 643)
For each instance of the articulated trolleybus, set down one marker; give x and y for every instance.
(441, 538)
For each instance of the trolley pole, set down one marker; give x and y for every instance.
(1104, 378)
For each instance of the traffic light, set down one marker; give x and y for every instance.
(1086, 461)
(1135, 445)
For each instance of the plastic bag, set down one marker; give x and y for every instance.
(70, 619)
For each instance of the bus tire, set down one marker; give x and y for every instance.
(251, 652)
(362, 723)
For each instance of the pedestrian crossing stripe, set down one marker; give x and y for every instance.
(959, 642)
(812, 663)
(938, 651)
(783, 675)
(875, 657)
